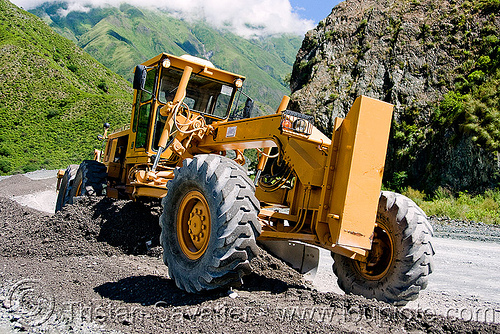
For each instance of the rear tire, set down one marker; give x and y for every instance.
(90, 180)
(209, 224)
(63, 197)
(400, 261)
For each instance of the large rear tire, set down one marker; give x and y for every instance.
(400, 260)
(90, 180)
(209, 224)
(64, 197)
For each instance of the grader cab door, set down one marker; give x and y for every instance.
(142, 112)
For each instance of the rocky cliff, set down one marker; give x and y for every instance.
(435, 61)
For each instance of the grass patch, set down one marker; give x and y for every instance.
(483, 207)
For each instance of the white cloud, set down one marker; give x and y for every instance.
(73, 7)
(244, 17)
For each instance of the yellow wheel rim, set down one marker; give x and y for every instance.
(193, 225)
(380, 257)
(79, 189)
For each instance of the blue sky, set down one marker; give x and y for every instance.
(315, 10)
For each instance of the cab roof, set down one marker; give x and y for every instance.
(201, 66)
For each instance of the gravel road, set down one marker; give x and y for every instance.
(466, 279)
(96, 267)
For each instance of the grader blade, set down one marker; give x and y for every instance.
(299, 256)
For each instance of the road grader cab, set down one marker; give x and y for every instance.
(310, 191)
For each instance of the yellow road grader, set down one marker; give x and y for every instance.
(185, 146)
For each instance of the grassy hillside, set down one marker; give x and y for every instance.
(123, 37)
(54, 97)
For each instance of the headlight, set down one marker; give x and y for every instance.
(297, 123)
(238, 83)
(300, 125)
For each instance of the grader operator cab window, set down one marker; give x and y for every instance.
(208, 97)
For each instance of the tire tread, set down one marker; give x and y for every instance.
(413, 263)
(234, 244)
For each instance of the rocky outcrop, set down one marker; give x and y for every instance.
(409, 53)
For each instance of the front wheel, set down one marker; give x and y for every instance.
(400, 260)
(209, 224)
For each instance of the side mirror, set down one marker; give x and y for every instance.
(106, 127)
(248, 108)
(140, 77)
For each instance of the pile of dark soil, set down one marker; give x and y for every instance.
(272, 298)
(17, 185)
(91, 226)
(272, 274)
(104, 226)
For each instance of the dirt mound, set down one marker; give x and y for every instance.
(272, 297)
(272, 274)
(90, 227)
(17, 185)
(104, 226)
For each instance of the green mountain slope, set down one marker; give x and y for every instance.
(123, 37)
(54, 97)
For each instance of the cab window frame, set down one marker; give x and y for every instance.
(143, 108)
